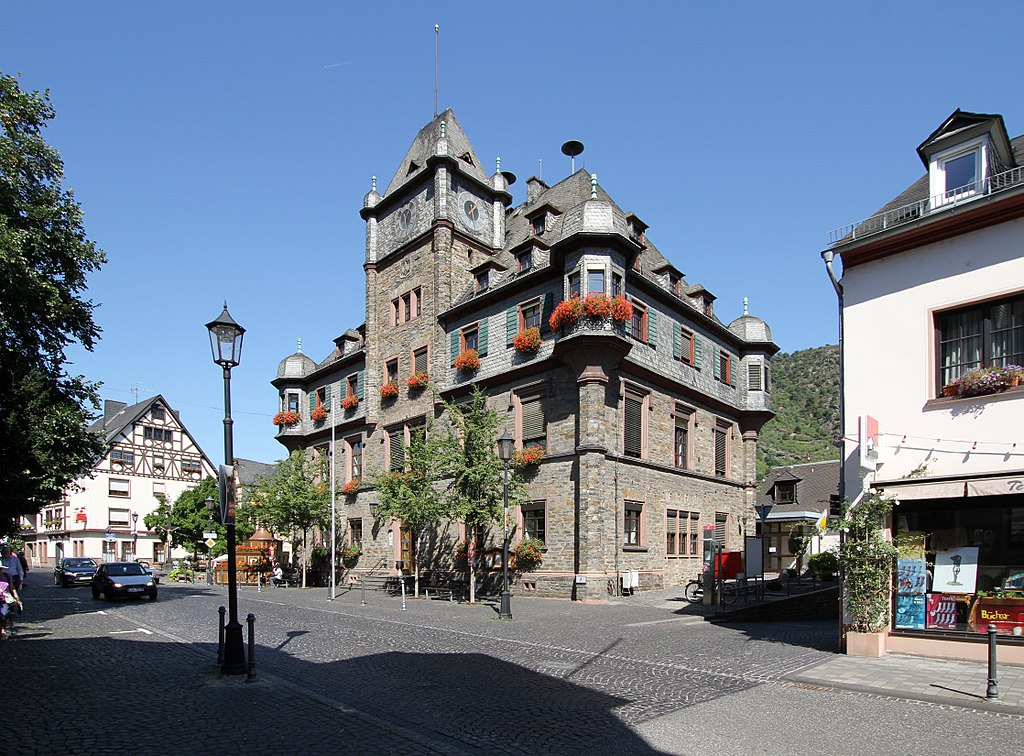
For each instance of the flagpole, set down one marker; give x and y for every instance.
(334, 540)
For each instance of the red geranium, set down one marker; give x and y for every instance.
(530, 456)
(286, 418)
(527, 340)
(389, 390)
(351, 487)
(318, 413)
(621, 309)
(419, 380)
(568, 311)
(468, 360)
(350, 402)
(597, 306)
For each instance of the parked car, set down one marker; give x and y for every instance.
(73, 571)
(156, 572)
(127, 579)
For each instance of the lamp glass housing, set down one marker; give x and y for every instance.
(506, 444)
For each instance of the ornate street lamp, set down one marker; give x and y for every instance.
(135, 535)
(506, 444)
(226, 345)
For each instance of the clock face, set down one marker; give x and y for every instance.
(472, 211)
(405, 219)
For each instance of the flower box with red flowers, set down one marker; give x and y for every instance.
(318, 413)
(567, 311)
(389, 390)
(286, 418)
(531, 456)
(351, 487)
(597, 306)
(350, 402)
(527, 340)
(529, 554)
(468, 360)
(620, 309)
(418, 381)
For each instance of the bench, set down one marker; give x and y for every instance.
(387, 583)
(442, 587)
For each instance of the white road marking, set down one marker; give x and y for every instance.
(137, 630)
(687, 620)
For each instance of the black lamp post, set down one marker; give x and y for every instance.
(135, 535)
(226, 345)
(210, 506)
(505, 446)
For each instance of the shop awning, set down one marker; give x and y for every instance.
(918, 489)
(996, 486)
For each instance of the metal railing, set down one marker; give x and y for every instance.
(898, 216)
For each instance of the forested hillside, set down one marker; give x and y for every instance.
(805, 397)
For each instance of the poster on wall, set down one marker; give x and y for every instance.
(941, 612)
(956, 570)
(910, 611)
(911, 576)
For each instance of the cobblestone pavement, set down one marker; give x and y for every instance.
(440, 677)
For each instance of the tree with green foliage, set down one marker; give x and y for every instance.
(476, 493)
(45, 258)
(189, 518)
(296, 498)
(416, 496)
(867, 558)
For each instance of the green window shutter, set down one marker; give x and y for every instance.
(396, 445)
(482, 351)
(327, 397)
(652, 327)
(511, 325)
(716, 364)
(312, 400)
(456, 340)
(734, 364)
(677, 341)
(697, 341)
(359, 384)
(546, 311)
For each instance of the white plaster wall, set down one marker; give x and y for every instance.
(890, 363)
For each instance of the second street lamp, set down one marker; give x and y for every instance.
(505, 446)
(226, 345)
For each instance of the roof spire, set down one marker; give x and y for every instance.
(373, 183)
(299, 350)
(444, 130)
(593, 186)
(745, 310)
(497, 164)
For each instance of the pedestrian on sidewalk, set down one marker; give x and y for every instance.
(10, 568)
(8, 600)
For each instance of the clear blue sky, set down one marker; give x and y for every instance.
(222, 150)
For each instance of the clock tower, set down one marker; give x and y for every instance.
(440, 216)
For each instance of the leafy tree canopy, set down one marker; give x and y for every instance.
(45, 258)
(190, 518)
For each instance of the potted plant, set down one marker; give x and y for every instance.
(867, 559)
(286, 418)
(467, 361)
(389, 390)
(991, 380)
(525, 457)
(350, 402)
(568, 311)
(419, 381)
(621, 310)
(527, 341)
(529, 554)
(350, 555)
(597, 306)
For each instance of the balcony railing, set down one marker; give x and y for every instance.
(898, 216)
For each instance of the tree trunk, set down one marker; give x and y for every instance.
(305, 558)
(470, 562)
(416, 566)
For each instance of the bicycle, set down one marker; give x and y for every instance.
(694, 592)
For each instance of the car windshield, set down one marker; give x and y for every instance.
(125, 569)
(79, 563)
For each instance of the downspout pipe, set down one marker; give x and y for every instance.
(827, 257)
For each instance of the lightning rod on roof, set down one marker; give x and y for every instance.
(437, 38)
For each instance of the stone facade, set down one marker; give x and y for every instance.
(448, 261)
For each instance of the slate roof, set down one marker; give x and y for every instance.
(423, 147)
(815, 483)
(117, 416)
(249, 471)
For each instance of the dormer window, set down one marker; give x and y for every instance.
(524, 261)
(957, 173)
(538, 224)
(482, 280)
(785, 493)
(674, 284)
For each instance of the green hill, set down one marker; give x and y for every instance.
(805, 397)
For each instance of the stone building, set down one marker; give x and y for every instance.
(648, 427)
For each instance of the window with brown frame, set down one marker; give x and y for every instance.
(355, 530)
(391, 370)
(721, 433)
(638, 325)
(633, 524)
(633, 424)
(355, 457)
(524, 260)
(352, 385)
(471, 337)
(684, 419)
(420, 363)
(533, 432)
(529, 314)
(534, 520)
(684, 353)
(681, 532)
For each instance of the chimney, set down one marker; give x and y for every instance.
(534, 188)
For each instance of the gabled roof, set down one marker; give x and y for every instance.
(249, 471)
(815, 482)
(960, 126)
(422, 149)
(120, 417)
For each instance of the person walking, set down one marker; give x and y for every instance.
(11, 570)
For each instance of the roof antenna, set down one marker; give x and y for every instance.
(540, 168)
(437, 38)
(572, 148)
